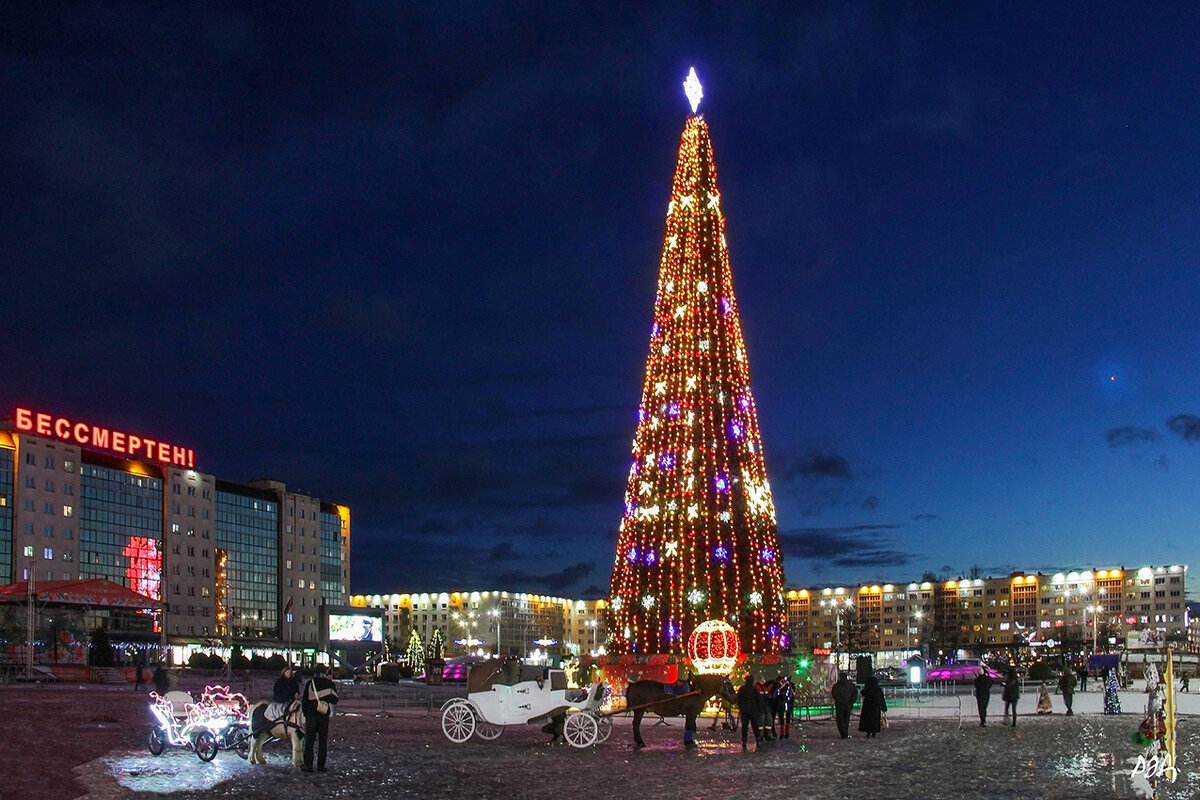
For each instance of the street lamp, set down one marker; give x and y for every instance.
(1095, 627)
(916, 615)
(591, 623)
(495, 614)
(839, 606)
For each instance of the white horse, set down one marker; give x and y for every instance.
(289, 726)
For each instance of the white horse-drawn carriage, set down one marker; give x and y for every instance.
(529, 697)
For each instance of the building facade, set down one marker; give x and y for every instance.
(1089, 609)
(493, 622)
(246, 564)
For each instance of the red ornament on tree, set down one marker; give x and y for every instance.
(714, 648)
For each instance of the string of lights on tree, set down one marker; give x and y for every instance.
(698, 540)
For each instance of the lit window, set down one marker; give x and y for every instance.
(68, 511)
(29, 551)
(48, 553)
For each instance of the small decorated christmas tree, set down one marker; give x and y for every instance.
(415, 653)
(1112, 702)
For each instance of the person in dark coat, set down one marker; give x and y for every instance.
(750, 710)
(785, 696)
(870, 714)
(1083, 676)
(983, 693)
(317, 701)
(162, 683)
(844, 694)
(1012, 693)
(141, 677)
(286, 687)
(1066, 686)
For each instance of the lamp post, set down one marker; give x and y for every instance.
(591, 623)
(916, 615)
(29, 616)
(495, 614)
(839, 606)
(1095, 627)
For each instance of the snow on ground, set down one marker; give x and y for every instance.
(926, 752)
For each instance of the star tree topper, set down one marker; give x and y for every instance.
(693, 90)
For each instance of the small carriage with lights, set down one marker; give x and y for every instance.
(526, 696)
(217, 721)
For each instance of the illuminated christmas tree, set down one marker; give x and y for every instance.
(698, 540)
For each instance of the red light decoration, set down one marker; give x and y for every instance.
(714, 648)
(698, 540)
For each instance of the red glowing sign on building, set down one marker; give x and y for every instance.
(88, 435)
(145, 566)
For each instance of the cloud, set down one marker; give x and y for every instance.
(816, 465)
(1130, 434)
(926, 518)
(502, 552)
(1185, 426)
(853, 546)
(553, 582)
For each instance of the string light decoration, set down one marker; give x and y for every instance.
(698, 540)
(714, 648)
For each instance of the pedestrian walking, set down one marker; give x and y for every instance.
(1183, 682)
(750, 711)
(874, 705)
(319, 698)
(1011, 694)
(1066, 687)
(983, 694)
(844, 694)
(1044, 705)
(140, 677)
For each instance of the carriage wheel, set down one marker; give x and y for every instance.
(157, 742)
(458, 722)
(243, 744)
(206, 746)
(487, 731)
(580, 730)
(603, 728)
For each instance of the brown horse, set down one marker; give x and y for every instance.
(289, 726)
(674, 700)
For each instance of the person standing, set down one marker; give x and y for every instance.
(870, 714)
(749, 709)
(844, 694)
(1012, 693)
(318, 700)
(140, 676)
(983, 694)
(1083, 676)
(162, 683)
(1066, 687)
(1183, 682)
(785, 696)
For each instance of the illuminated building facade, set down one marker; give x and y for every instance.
(1101, 609)
(472, 621)
(224, 558)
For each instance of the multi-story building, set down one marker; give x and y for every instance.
(1093, 609)
(493, 621)
(249, 564)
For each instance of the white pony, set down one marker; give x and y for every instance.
(288, 726)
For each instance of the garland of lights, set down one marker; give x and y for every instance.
(698, 539)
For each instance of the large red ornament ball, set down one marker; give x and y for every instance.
(714, 647)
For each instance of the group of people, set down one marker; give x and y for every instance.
(871, 714)
(761, 705)
(317, 696)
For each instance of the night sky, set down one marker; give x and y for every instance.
(403, 257)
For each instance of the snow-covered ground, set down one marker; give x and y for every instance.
(927, 751)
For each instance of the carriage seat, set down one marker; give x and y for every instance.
(180, 701)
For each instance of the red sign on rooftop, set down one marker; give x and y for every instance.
(86, 434)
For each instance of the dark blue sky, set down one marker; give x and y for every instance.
(403, 257)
